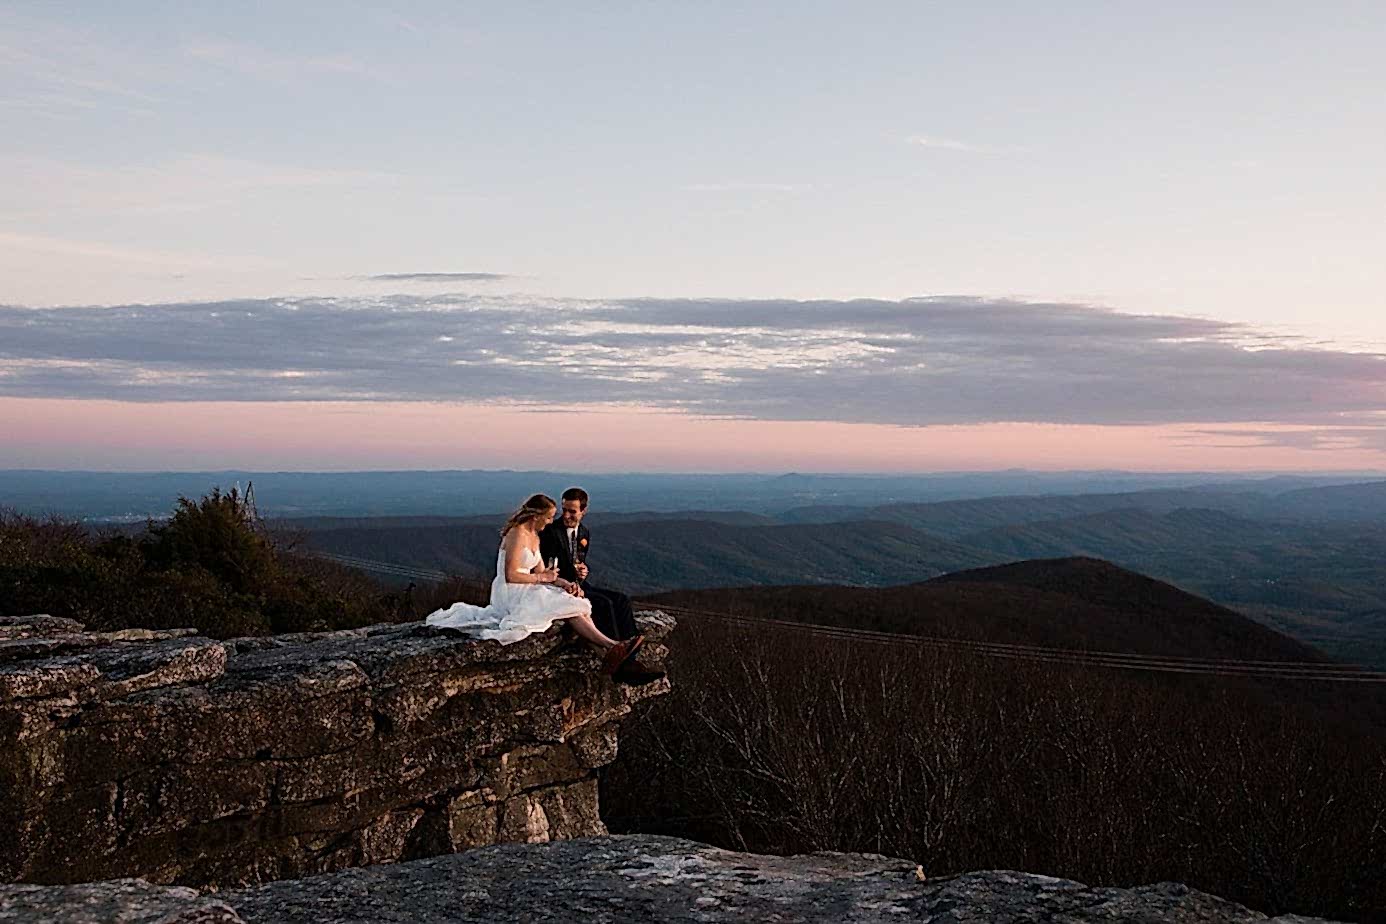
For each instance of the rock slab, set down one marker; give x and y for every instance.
(184, 760)
(637, 878)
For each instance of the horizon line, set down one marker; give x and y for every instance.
(1249, 473)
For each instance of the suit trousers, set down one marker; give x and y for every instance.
(611, 612)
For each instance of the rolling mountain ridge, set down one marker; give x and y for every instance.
(653, 555)
(1077, 603)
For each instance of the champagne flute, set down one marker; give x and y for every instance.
(552, 565)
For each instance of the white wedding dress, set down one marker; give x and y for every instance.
(516, 610)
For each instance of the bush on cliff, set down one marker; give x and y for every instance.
(213, 566)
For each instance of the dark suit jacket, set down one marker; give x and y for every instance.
(553, 543)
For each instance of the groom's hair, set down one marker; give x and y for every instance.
(576, 494)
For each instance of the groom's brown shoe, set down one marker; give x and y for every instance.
(620, 653)
(634, 673)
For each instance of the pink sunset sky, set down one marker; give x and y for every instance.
(340, 436)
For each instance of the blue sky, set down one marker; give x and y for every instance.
(1217, 159)
(1217, 162)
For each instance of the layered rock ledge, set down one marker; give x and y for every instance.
(185, 760)
(638, 878)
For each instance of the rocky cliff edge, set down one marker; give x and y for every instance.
(185, 760)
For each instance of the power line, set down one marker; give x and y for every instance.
(1292, 670)
(1007, 646)
(382, 567)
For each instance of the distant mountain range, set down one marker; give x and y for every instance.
(1363, 502)
(135, 495)
(1304, 555)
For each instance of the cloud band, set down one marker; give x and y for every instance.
(941, 360)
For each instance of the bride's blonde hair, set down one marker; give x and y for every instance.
(536, 506)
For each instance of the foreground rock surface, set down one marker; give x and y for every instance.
(180, 759)
(636, 878)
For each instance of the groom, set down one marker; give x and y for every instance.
(567, 539)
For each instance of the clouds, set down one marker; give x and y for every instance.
(1366, 434)
(260, 62)
(437, 277)
(942, 360)
(166, 260)
(933, 142)
(57, 71)
(737, 187)
(185, 183)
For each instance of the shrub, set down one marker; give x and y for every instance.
(213, 566)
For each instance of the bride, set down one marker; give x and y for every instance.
(527, 597)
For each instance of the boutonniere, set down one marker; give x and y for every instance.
(582, 541)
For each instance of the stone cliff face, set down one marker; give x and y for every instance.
(179, 759)
(630, 879)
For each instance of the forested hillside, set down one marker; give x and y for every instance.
(667, 553)
(1072, 603)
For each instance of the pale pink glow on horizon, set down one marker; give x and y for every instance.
(345, 436)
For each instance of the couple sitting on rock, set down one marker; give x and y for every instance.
(541, 577)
